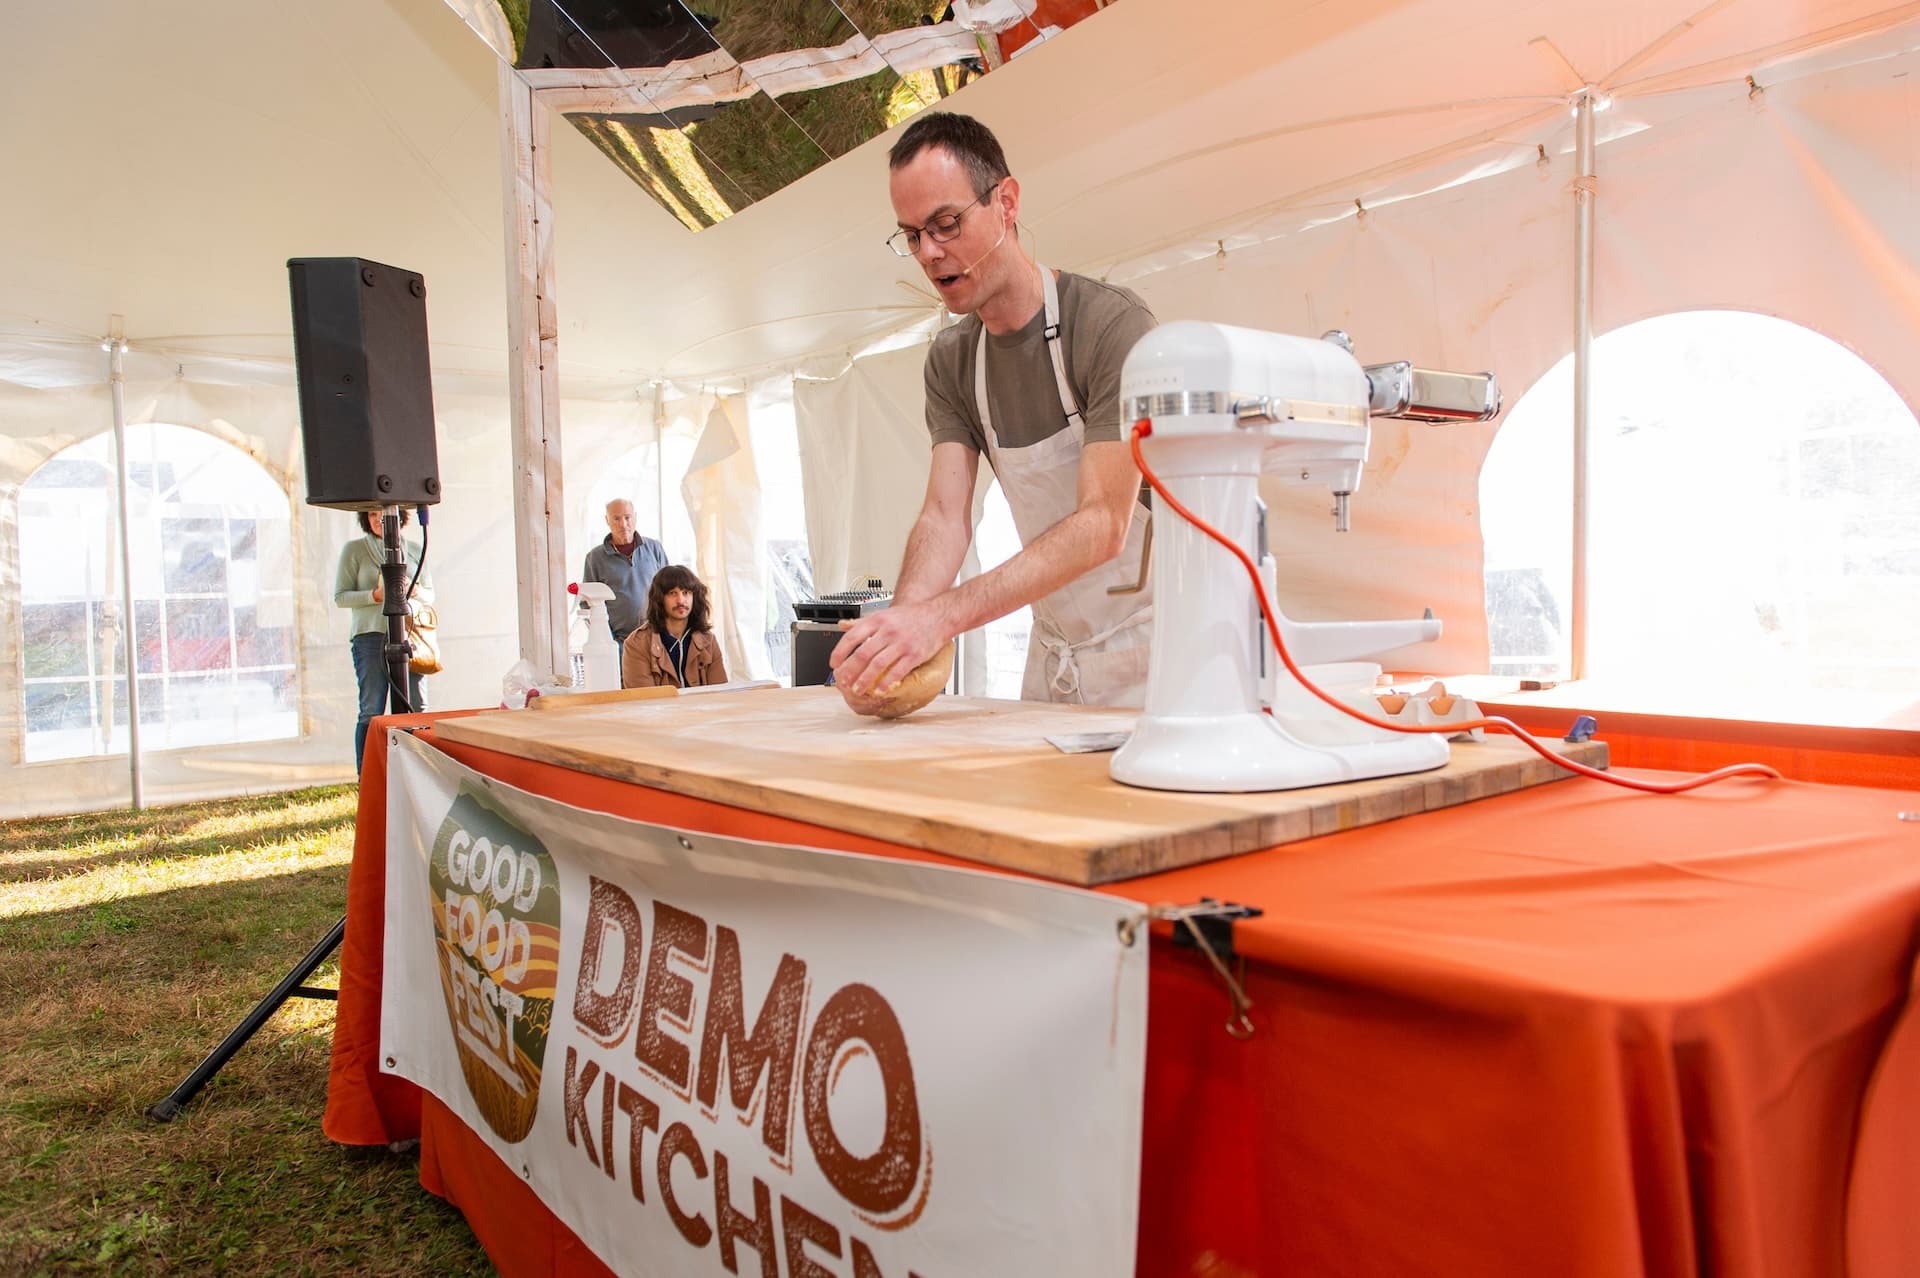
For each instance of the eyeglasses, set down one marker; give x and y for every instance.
(905, 242)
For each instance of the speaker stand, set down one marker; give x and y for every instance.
(164, 1111)
(393, 589)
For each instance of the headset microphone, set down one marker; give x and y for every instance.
(968, 273)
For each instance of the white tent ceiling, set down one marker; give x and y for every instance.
(170, 158)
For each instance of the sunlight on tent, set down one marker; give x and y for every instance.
(1753, 523)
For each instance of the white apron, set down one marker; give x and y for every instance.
(1086, 647)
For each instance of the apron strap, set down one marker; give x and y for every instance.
(1050, 288)
(1050, 293)
(1066, 673)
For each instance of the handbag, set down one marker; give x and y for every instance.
(423, 623)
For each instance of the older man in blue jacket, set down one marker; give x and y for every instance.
(626, 562)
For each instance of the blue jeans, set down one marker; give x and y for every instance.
(370, 669)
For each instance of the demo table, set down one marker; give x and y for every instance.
(1571, 1030)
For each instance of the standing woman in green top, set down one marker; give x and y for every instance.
(356, 586)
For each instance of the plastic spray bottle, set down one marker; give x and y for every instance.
(596, 658)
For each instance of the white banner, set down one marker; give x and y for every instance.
(710, 1056)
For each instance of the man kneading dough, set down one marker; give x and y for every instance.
(1029, 378)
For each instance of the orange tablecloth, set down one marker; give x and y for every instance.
(1572, 1031)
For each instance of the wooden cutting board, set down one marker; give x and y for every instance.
(971, 777)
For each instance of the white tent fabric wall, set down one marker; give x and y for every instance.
(1404, 288)
(591, 450)
(864, 455)
(722, 492)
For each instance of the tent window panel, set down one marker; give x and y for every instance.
(196, 556)
(1882, 546)
(243, 583)
(55, 639)
(150, 477)
(153, 702)
(110, 696)
(256, 645)
(200, 707)
(211, 530)
(198, 637)
(1524, 626)
(149, 649)
(65, 535)
(1753, 518)
(59, 707)
(74, 473)
(789, 580)
(271, 692)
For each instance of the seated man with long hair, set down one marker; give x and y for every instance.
(675, 644)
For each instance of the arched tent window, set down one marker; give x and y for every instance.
(213, 598)
(1754, 521)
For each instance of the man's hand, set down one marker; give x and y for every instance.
(878, 651)
(864, 705)
(379, 594)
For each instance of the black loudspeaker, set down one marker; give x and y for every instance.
(366, 394)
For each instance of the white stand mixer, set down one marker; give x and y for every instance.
(1225, 404)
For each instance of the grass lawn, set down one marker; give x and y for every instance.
(129, 945)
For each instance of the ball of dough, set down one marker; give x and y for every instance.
(926, 682)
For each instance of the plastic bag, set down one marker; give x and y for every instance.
(523, 682)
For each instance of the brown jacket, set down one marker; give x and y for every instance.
(644, 662)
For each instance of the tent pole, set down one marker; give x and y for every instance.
(533, 375)
(1583, 196)
(660, 461)
(116, 378)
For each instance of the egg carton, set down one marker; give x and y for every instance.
(1429, 706)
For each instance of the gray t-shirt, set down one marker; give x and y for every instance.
(1099, 323)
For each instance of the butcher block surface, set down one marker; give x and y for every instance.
(972, 777)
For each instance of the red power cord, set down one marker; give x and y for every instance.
(1144, 427)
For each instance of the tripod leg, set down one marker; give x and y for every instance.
(289, 987)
